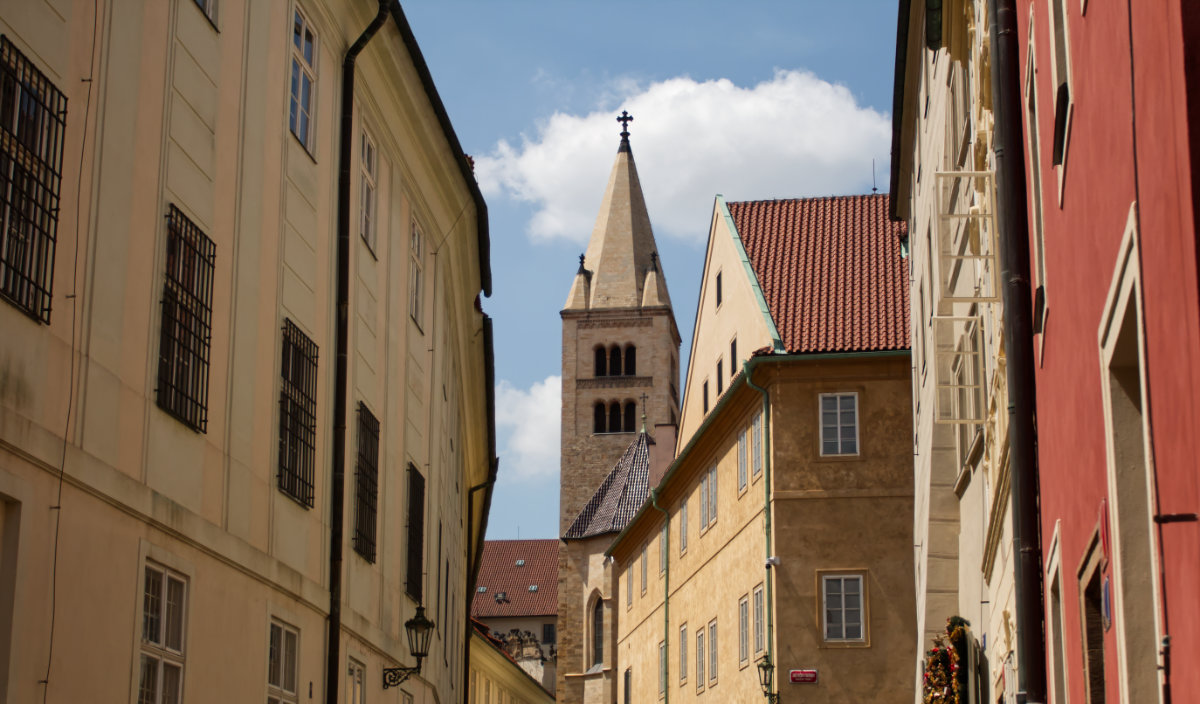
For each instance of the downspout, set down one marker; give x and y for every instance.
(666, 586)
(475, 542)
(1013, 226)
(337, 495)
(747, 371)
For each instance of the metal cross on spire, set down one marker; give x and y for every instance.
(625, 119)
(643, 411)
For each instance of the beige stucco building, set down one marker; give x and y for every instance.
(180, 520)
(943, 186)
(781, 529)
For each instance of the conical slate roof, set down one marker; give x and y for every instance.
(621, 249)
(620, 495)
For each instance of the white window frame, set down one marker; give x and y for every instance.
(663, 546)
(712, 494)
(368, 191)
(712, 652)
(843, 578)
(683, 653)
(299, 68)
(759, 630)
(756, 444)
(662, 669)
(683, 525)
(629, 587)
(744, 629)
(158, 649)
(741, 453)
(209, 9)
(645, 565)
(1060, 25)
(416, 276)
(703, 502)
(277, 682)
(701, 653)
(356, 682)
(838, 398)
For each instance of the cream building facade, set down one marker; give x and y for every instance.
(943, 187)
(780, 532)
(181, 522)
(496, 678)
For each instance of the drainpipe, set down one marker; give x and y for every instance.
(747, 371)
(337, 495)
(1013, 228)
(666, 585)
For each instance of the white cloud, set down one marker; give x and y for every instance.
(530, 419)
(794, 135)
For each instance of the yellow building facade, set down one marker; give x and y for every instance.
(181, 522)
(780, 534)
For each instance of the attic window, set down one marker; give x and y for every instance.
(501, 597)
(482, 590)
(520, 563)
(533, 587)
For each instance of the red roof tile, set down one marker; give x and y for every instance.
(831, 271)
(500, 573)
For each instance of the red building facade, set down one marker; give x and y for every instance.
(1110, 94)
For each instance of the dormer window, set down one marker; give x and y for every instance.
(520, 563)
(501, 597)
(533, 587)
(482, 590)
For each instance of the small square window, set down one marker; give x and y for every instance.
(839, 424)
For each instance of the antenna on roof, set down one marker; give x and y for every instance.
(874, 189)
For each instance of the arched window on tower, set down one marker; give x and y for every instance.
(598, 633)
(630, 416)
(601, 361)
(614, 417)
(630, 360)
(614, 361)
(600, 417)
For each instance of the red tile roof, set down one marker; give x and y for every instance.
(831, 271)
(500, 573)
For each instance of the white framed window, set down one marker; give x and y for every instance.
(369, 161)
(645, 566)
(356, 682)
(303, 84)
(758, 620)
(741, 459)
(744, 630)
(756, 437)
(629, 587)
(712, 651)
(683, 653)
(712, 494)
(416, 276)
(842, 608)
(1033, 144)
(683, 533)
(700, 655)
(664, 544)
(164, 618)
(703, 501)
(1061, 88)
(662, 668)
(839, 424)
(283, 661)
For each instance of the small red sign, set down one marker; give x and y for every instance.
(803, 676)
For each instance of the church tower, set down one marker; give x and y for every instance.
(620, 377)
(620, 342)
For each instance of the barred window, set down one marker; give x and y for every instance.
(186, 322)
(297, 415)
(413, 583)
(32, 121)
(366, 483)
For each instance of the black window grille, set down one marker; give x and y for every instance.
(186, 333)
(366, 483)
(297, 415)
(413, 582)
(32, 121)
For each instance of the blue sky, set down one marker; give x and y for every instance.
(753, 100)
